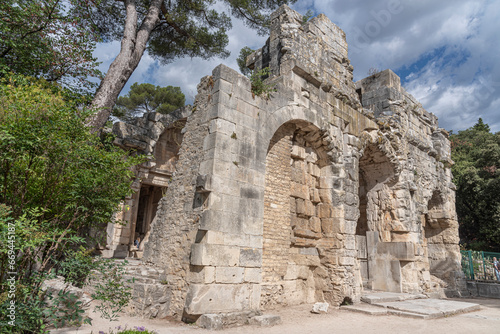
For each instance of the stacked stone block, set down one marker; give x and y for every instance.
(265, 206)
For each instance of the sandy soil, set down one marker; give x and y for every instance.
(298, 319)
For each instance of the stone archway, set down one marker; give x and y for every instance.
(298, 217)
(376, 222)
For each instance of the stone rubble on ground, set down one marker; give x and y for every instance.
(320, 308)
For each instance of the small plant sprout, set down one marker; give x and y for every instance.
(259, 87)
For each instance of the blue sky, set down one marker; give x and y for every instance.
(445, 51)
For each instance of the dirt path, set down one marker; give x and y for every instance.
(298, 319)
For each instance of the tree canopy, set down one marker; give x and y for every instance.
(148, 98)
(41, 38)
(242, 60)
(476, 152)
(167, 30)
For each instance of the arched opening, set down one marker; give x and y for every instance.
(296, 206)
(376, 214)
(436, 238)
(166, 151)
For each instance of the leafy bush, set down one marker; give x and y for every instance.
(76, 266)
(57, 181)
(110, 288)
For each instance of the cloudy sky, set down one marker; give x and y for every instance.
(445, 51)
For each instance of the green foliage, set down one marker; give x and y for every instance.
(56, 182)
(148, 98)
(51, 163)
(106, 277)
(307, 16)
(36, 308)
(476, 153)
(110, 289)
(43, 39)
(185, 28)
(259, 86)
(76, 266)
(63, 309)
(242, 60)
(29, 311)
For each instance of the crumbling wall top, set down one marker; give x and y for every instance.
(142, 133)
(315, 50)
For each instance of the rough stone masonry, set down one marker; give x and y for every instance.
(324, 189)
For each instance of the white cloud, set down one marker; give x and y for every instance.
(445, 50)
(184, 72)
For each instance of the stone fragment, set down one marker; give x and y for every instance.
(210, 321)
(320, 308)
(299, 190)
(315, 224)
(324, 210)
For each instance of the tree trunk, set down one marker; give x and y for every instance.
(132, 48)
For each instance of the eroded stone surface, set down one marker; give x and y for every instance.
(325, 188)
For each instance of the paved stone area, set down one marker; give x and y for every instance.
(366, 309)
(432, 308)
(382, 297)
(410, 305)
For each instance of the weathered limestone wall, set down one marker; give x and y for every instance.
(421, 199)
(277, 209)
(176, 223)
(158, 137)
(293, 215)
(324, 189)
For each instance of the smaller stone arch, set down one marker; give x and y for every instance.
(375, 139)
(377, 174)
(166, 148)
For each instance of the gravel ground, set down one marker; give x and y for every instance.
(298, 319)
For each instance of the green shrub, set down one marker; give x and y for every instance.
(259, 87)
(76, 266)
(110, 289)
(57, 180)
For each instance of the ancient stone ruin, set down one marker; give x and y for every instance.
(323, 190)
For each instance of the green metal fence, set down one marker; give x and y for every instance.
(478, 265)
